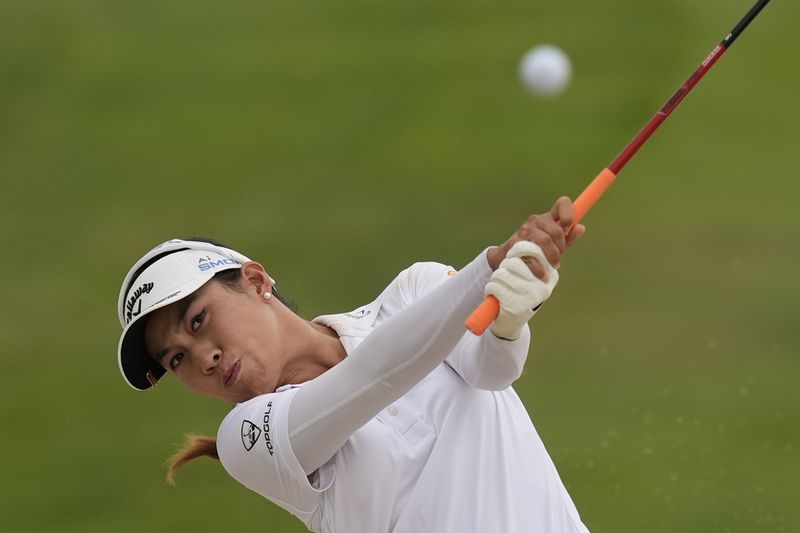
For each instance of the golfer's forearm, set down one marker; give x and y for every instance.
(488, 362)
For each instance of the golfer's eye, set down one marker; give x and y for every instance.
(175, 360)
(198, 319)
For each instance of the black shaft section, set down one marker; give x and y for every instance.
(735, 32)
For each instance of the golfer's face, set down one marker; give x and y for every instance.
(217, 342)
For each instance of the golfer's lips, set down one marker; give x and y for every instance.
(233, 373)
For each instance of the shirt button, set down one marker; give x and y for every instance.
(392, 410)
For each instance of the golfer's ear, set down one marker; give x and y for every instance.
(254, 275)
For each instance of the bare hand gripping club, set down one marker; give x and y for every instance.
(480, 319)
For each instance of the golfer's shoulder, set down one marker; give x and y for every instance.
(253, 447)
(418, 279)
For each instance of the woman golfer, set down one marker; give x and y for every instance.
(389, 418)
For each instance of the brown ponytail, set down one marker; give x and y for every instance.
(195, 446)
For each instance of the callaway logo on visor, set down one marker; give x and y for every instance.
(133, 307)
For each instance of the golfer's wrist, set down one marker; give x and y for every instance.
(495, 256)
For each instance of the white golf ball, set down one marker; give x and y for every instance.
(545, 70)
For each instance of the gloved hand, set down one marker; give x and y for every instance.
(519, 292)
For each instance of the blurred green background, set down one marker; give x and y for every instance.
(338, 142)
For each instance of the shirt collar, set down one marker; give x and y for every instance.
(352, 327)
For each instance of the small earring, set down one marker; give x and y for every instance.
(267, 295)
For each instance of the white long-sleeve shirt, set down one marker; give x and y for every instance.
(417, 430)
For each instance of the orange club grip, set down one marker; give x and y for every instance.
(592, 193)
(484, 315)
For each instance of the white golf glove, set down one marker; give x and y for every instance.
(519, 292)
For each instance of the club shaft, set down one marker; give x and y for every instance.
(746, 20)
(661, 115)
(483, 316)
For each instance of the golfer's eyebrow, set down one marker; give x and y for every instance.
(183, 307)
(160, 355)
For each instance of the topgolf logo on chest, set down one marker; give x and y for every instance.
(204, 264)
(250, 434)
